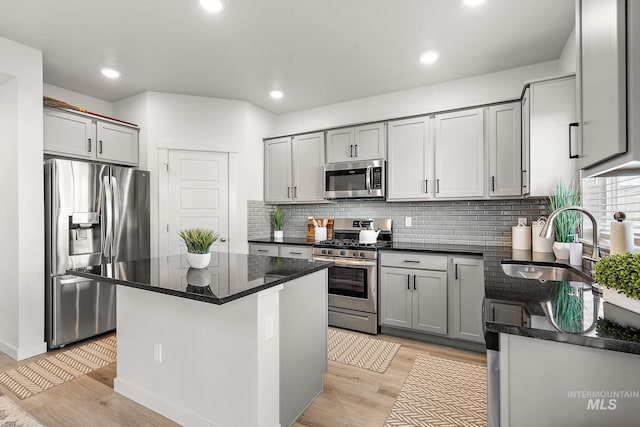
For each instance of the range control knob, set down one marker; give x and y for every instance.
(362, 254)
(355, 254)
(343, 253)
(324, 252)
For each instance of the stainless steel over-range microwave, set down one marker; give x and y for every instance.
(355, 180)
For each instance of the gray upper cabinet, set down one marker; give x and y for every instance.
(459, 154)
(366, 142)
(602, 69)
(410, 160)
(526, 171)
(293, 169)
(468, 292)
(505, 166)
(549, 108)
(82, 136)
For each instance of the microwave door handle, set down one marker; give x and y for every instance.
(368, 178)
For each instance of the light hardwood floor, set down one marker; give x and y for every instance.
(351, 397)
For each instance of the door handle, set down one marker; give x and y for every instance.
(408, 282)
(493, 183)
(107, 211)
(288, 192)
(223, 239)
(356, 150)
(411, 261)
(89, 140)
(571, 155)
(437, 185)
(99, 147)
(295, 253)
(295, 192)
(351, 151)
(456, 271)
(414, 282)
(426, 186)
(115, 193)
(523, 180)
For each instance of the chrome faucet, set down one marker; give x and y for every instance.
(548, 228)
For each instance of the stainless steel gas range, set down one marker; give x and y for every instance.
(353, 281)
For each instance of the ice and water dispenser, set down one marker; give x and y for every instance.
(84, 233)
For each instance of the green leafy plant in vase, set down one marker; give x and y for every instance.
(567, 224)
(620, 275)
(198, 242)
(277, 221)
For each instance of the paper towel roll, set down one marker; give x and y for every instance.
(621, 237)
(521, 237)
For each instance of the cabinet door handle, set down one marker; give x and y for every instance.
(295, 192)
(456, 272)
(571, 155)
(356, 150)
(288, 192)
(414, 282)
(437, 185)
(411, 261)
(523, 181)
(426, 186)
(493, 183)
(262, 250)
(351, 153)
(408, 282)
(99, 147)
(89, 145)
(295, 253)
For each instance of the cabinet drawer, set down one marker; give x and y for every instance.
(302, 252)
(413, 260)
(270, 250)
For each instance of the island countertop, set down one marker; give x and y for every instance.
(227, 278)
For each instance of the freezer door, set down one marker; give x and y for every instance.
(74, 214)
(82, 308)
(131, 226)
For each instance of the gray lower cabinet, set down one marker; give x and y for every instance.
(467, 295)
(437, 294)
(413, 291)
(274, 249)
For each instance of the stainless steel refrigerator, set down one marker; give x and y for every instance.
(95, 214)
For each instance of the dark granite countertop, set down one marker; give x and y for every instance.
(284, 241)
(437, 248)
(228, 276)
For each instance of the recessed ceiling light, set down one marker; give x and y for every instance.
(110, 72)
(212, 5)
(429, 57)
(276, 94)
(472, 2)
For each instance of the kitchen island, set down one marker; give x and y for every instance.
(240, 343)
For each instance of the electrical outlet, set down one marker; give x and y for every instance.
(268, 328)
(407, 221)
(157, 352)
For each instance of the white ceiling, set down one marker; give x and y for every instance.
(317, 52)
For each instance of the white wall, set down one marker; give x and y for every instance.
(22, 225)
(567, 60)
(486, 88)
(171, 121)
(77, 99)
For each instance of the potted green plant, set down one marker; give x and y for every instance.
(620, 275)
(567, 224)
(198, 242)
(278, 220)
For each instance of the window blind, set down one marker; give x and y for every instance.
(605, 196)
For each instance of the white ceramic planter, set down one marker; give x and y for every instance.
(561, 250)
(198, 260)
(278, 234)
(614, 297)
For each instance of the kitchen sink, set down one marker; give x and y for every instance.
(545, 272)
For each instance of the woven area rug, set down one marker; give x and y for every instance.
(11, 415)
(441, 392)
(360, 350)
(33, 377)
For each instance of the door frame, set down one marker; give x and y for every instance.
(163, 196)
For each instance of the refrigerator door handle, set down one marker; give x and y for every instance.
(107, 238)
(115, 193)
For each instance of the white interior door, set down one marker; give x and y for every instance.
(198, 196)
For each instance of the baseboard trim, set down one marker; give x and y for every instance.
(434, 339)
(160, 405)
(19, 354)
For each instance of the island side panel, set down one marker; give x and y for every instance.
(303, 343)
(551, 383)
(209, 370)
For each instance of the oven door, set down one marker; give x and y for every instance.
(353, 284)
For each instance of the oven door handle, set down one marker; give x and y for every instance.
(346, 262)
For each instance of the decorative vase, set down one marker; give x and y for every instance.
(198, 260)
(561, 250)
(278, 234)
(612, 296)
(575, 253)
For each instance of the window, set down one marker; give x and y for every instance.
(605, 196)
